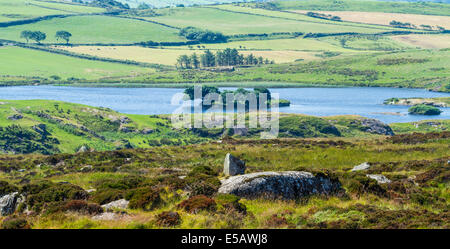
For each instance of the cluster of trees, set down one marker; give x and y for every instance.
(227, 57)
(402, 24)
(39, 36)
(324, 16)
(205, 36)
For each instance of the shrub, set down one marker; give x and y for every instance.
(230, 202)
(83, 207)
(198, 203)
(360, 184)
(43, 194)
(168, 219)
(104, 196)
(145, 198)
(15, 223)
(422, 109)
(6, 188)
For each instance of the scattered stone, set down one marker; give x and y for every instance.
(240, 131)
(109, 216)
(126, 129)
(147, 131)
(83, 149)
(376, 127)
(233, 165)
(8, 203)
(362, 166)
(86, 168)
(279, 185)
(380, 178)
(15, 117)
(91, 190)
(124, 120)
(120, 204)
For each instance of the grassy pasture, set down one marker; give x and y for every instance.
(23, 9)
(231, 23)
(97, 29)
(169, 56)
(299, 17)
(384, 18)
(424, 8)
(30, 63)
(424, 41)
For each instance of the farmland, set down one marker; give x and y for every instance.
(106, 30)
(29, 63)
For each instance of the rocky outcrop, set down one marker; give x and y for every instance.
(279, 185)
(376, 127)
(362, 166)
(120, 204)
(8, 203)
(380, 178)
(15, 117)
(233, 166)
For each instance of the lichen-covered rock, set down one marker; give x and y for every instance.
(8, 203)
(120, 204)
(362, 166)
(279, 185)
(376, 127)
(233, 166)
(380, 178)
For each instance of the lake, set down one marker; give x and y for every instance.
(364, 101)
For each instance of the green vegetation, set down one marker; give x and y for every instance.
(33, 66)
(97, 29)
(437, 102)
(417, 197)
(422, 109)
(227, 57)
(426, 8)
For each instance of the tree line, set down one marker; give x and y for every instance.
(227, 57)
(39, 36)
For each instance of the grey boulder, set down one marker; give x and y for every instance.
(120, 204)
(8, 203)
(233, 165)
(279, 185)
(362, 166)
(380, 178)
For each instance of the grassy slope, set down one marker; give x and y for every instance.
(422, 206)
(231, 23)
(96, 29)
(31, 63)
(64, 122)
(425, 8)
(362, 70)
(22, 9)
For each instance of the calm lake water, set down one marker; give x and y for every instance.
(364, 101)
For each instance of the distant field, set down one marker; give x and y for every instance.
(365, 43)
(28, 63)
(385, 18)
(301, 44)
(425, 8)
(11, 10)
(296, 16)
(231, 23)
(169, 56)
(425, 41)
(97, 29)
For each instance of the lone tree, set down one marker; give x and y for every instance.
(38, 36)
(64, 35)
(26, 34)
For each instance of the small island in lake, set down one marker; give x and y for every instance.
(423, 109)
(436, 102)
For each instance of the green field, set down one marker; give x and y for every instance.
(426, 8)
(23, 9)
(96, 29)
(31, 63)
(231, 23)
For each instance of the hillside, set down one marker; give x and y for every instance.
(50, 127)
